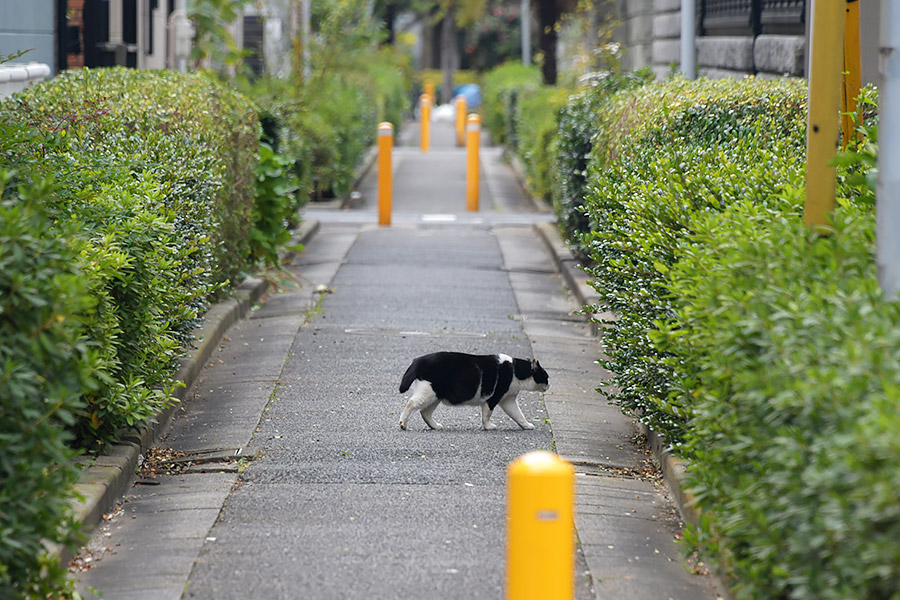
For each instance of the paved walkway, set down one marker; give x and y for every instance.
(331, 499)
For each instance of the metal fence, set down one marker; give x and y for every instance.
(751, 17)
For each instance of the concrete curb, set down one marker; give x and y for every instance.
(110, 475)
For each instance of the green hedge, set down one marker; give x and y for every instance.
(763, 351)
(666, 153)
(578, 129)
(157, 169)
(502, 87)
(45, 363)
(536, 129)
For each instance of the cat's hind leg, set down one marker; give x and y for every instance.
(428, 411)
(510, 406)
(423, 397)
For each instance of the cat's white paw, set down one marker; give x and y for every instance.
(489, 426)
(403, 425)
(436, 426)
(527, 426)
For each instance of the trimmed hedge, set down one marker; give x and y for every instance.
(536, 126)
(157, 171)
(765, 352)
(46, 361)
(666, 153)
(578, 130)
(502, 88)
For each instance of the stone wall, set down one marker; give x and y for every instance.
(650, 32)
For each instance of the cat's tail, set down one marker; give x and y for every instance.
(409, 376)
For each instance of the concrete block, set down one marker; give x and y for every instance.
(636, 57)
(780, 54)
(639, 30)
(661, 72)
(667, 26)
(663, 6)
(635, 8)
(711, 73)
(730, 53)
(665, 52)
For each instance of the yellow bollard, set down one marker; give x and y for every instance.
(429, 90)
(425, 118)
(385, 176)
(852, 71)
(540, 521)
(473, 139)
(460, 120)
(823, 122)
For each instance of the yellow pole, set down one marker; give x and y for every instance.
(385, 176)
(460, 120)
(473, 139)
(852, 71)
(540, 521)
(825, 67)
(425, 117)
(429, 90)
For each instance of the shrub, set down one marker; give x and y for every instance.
(578, 129)
(502, 87)
(45, 364)
(155, 170)
(668, 153)
(790, 349)
(536, 124)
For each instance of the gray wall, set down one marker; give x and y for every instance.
(650, 32)
(28, 24)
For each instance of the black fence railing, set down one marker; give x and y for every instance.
(751, 17)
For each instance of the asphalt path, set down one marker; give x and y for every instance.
(342, 503)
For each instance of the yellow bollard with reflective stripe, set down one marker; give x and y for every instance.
(385, 176)
(425, 119)
(473, 139)
(540, 522)
(460, 120)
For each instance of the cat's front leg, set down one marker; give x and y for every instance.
(510, 406)
(486, 417)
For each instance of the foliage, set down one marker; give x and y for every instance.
(495, 38)
(502, 87)
(156, 172)
(45, 363)
(763, 350)
(793, 440)
(536, 128)
(212, 39)
(666, 153)
(578, 130)
(276, 205)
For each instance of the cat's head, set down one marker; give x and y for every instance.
(534, 373)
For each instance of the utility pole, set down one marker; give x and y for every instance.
(305, 11)
(887, 208)
(688, 39)
(525, 9)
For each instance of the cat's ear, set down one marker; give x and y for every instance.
(535, 365)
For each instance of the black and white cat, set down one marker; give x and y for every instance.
(456, 378)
